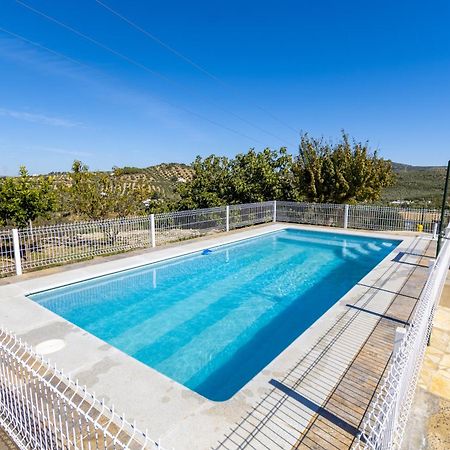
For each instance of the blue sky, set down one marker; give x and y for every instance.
(379, 70)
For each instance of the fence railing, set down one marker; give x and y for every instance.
(30, 248)
(42, 408)
(251, 214)
(7, 260)
(384, 425)
(312, 213)
(180, 225)
(377, 218)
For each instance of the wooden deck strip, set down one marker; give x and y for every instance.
(375, 357)
(348, 362)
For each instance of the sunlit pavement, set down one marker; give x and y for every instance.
(429, 424)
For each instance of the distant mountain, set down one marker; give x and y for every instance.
(418, 186)
(400, 167)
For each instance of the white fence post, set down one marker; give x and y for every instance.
(228, 218)
(435, 230)
(17, 256)
(346, 208)
(274, 210)
(400, 333)
(152, 230)
(398, 339)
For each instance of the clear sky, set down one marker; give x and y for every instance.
(237, 74)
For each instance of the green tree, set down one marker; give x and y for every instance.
(261, 176)
(249, 177)
(347, 172)
(210, 185)
(98, 195)
(25, 198)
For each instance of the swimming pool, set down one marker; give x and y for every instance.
(213, 320)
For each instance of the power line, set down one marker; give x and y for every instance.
(61, 55)
(188, 60)
(43, 47)
(147, 69)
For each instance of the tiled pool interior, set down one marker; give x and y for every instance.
(212, 320)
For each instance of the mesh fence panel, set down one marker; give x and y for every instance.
(57, 244)
(384, 424)
(41, 408)
(7, 265)
(384, 218)
(181, 225)
(251, 214)
(44, 246)
(311, 213)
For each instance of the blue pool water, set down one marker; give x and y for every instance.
(213, 320)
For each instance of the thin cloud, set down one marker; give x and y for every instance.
(38, 118)
(100, 84)
(63, 151)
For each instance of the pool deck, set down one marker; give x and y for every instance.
(313, 395)
(321, 402)
(429, 420)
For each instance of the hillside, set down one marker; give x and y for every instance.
(162, 177)
(417, 186)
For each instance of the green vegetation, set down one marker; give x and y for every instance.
(83, 194)
(249, 177)
(416, 186)
(322, 172)
(345, 172)
(25, 198)
(97, 195)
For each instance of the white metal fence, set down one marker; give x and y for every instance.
(30, 248)
(42, 408)
(384, 425)
(44, 246)
(7, 261)
(180, 225)
(392, 219)
(378, 218)
(312, 213)
(251, 214)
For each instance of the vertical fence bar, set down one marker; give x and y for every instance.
(44, 408)
(17, 256)
(400, 333)
(152, 230)
(435, 230)
(346, 208)
(63, 243)
(444, 203)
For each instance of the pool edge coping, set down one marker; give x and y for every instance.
(17, 292)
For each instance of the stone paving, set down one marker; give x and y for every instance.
(5, 442)
(429, 424)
